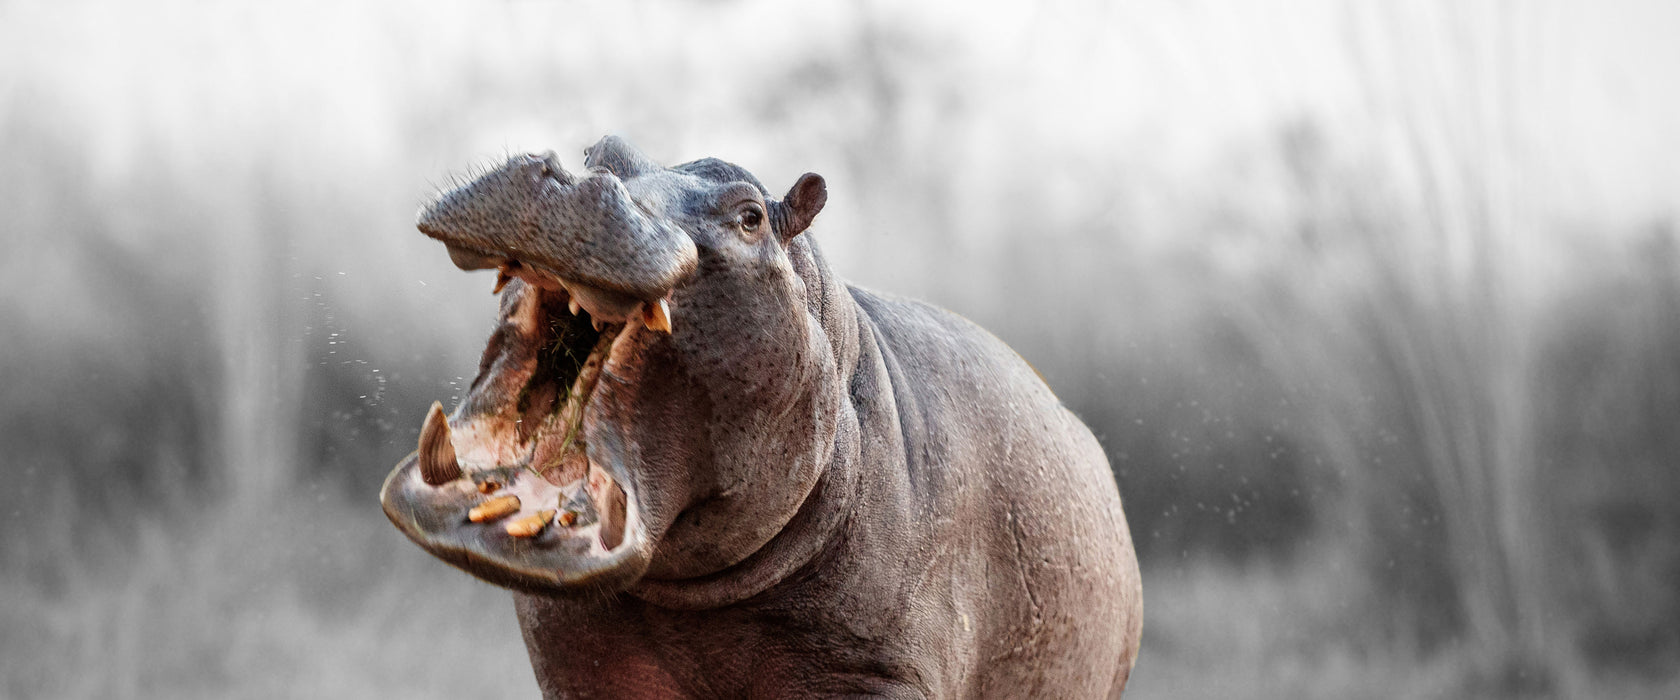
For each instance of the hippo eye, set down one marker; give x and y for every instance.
(751, 217)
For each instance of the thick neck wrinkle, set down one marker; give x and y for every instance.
(808, 534)
(829, 302)
(820, 517)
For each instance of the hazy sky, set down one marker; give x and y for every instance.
(1581, 92)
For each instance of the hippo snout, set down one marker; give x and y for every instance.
(535, 221)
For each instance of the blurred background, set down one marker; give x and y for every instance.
(1374, 305)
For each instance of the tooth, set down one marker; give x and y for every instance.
(529, 525)
(498, 507)
(573, 305)
(609, 500)
(437, 452)
(596, 322)
(502, 279)
(657, 315)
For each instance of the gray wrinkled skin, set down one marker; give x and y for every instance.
(835, 492)
(588, 229)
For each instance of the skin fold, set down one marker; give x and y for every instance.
(820, 490)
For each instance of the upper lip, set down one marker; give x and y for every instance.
(590, 230)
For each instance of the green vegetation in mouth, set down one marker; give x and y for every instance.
(563, 368)
(570, 340)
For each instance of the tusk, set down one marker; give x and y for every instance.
(657, 315)
(437, 451)
(609, 500)
(502, 279)
(572, 304)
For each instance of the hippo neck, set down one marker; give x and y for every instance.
(819, 518)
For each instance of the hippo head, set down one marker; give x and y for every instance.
(658, 396)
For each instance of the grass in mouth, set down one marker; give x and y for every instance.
(571, 338)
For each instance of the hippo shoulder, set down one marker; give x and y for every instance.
(970, 409)
(997, 467)
(940, 354)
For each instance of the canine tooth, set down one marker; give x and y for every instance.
(529, 525)
(596, 322)
(609, 500)
(437, 451)
(498, 507)
(573, 305)
(502, 279)
(657, 315)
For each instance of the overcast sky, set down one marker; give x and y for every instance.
(1585, 89)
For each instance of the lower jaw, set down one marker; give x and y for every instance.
(534, 447)
(511, 526)
(554, 557)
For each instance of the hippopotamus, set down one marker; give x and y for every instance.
(707, 466)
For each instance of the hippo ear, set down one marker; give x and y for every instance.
(801, 205)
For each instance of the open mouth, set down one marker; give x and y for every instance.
(505, 487)
(531, 482)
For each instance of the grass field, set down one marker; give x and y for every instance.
(303, 599)
(319, 598)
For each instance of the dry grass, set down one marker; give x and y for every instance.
(321, 599)
(1267, 630)
(307, 598)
